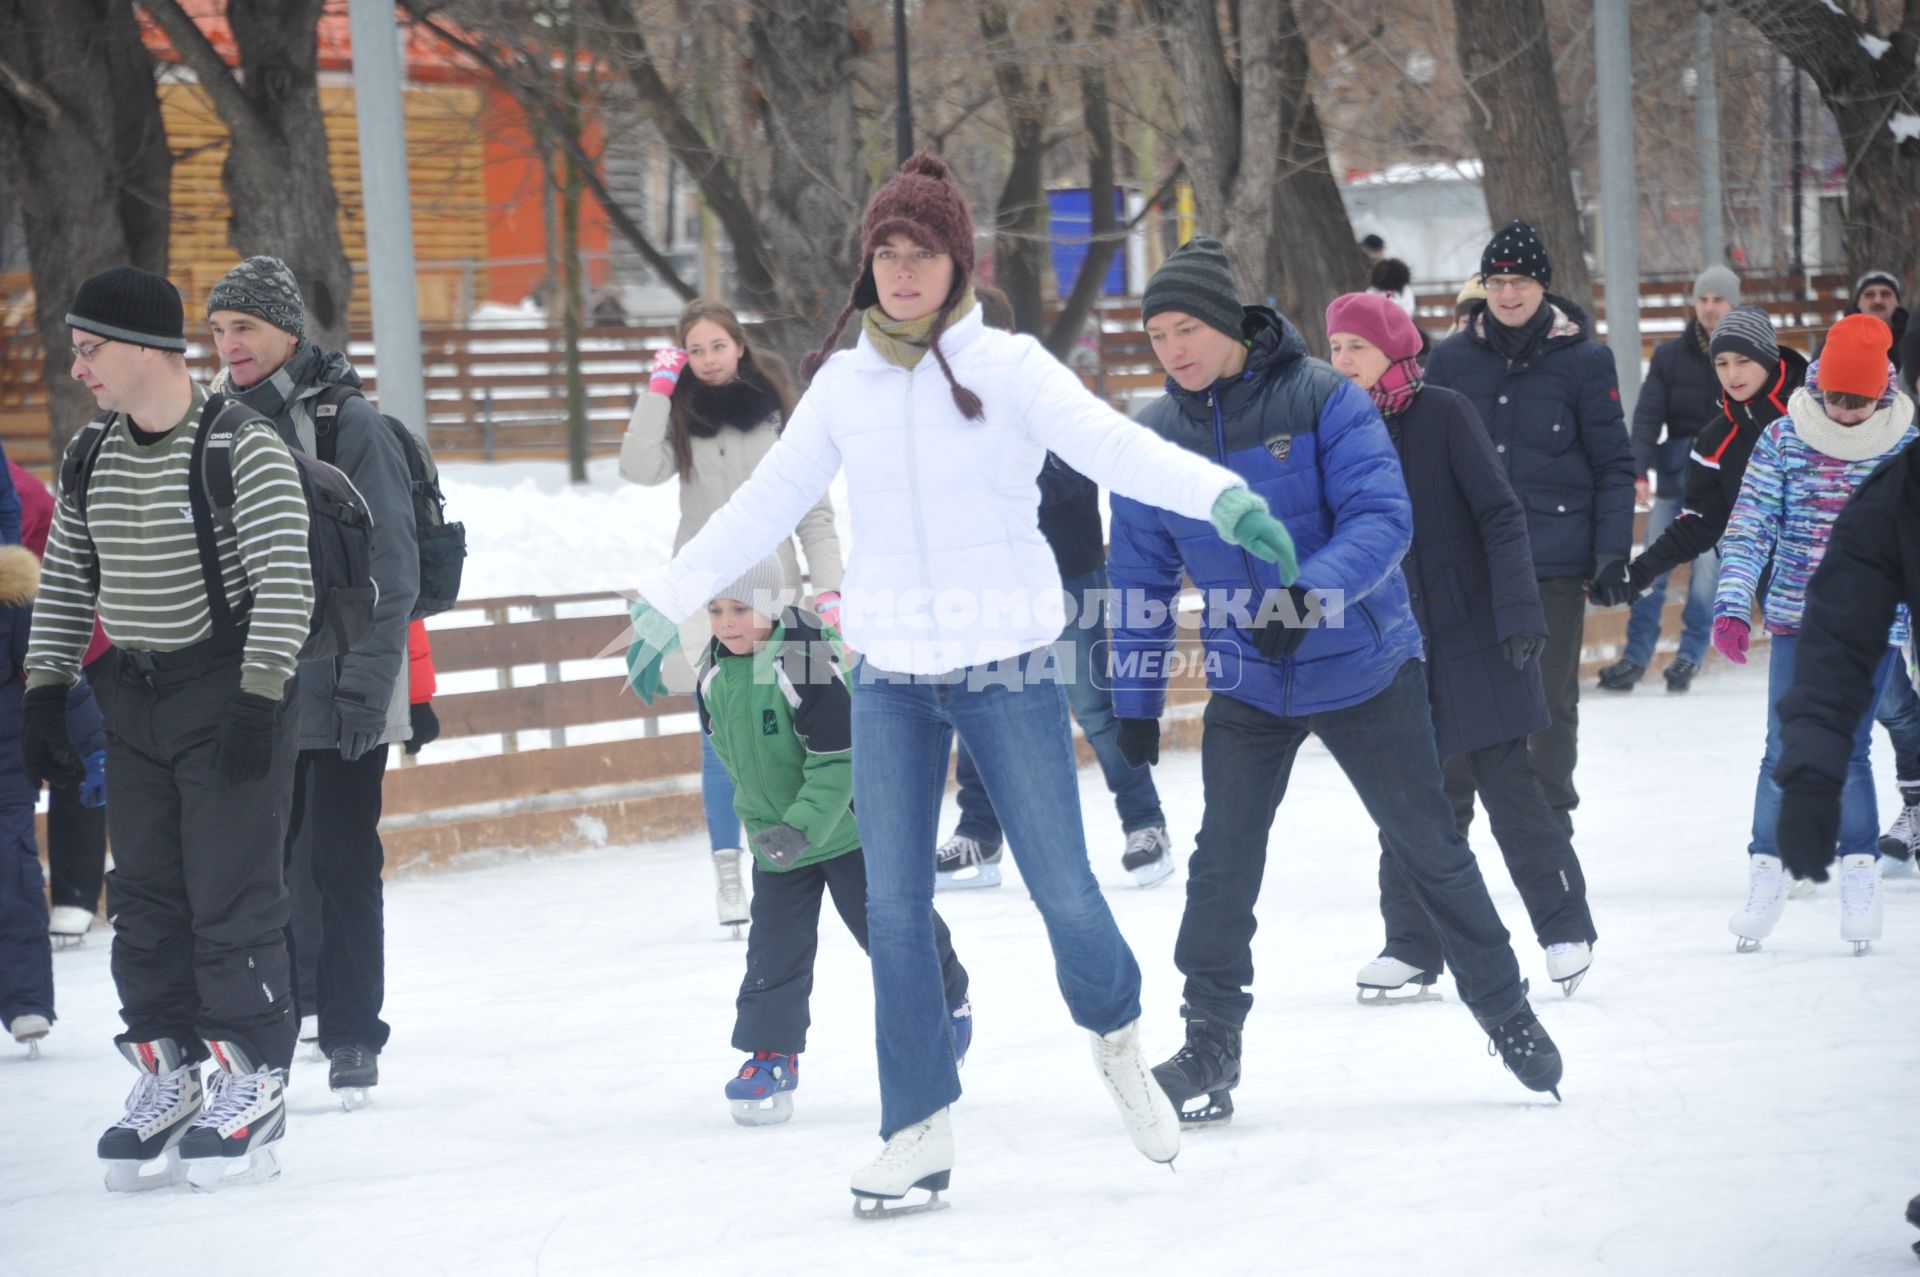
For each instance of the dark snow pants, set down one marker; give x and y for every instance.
(26, 955)
(336, 822)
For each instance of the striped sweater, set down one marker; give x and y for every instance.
(138, 535)
(1793, 491)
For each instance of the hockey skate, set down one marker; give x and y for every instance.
(1860, 901)
(1206, 1069)
(68, 925)
(1567, 964)
(962, 1020)
(310, 1037)
(1386, 980)
(919, 1156)
(730, 891)
(140, 1150)
(351, 1070)
(1524, 1047)
(1913, 1217)
(963, 864)
(1680, 674)
(236, 1139)
(28, 1030)
(1897, 844)
(1766, 901)
(761, 1093)
(1149, 856)
(1621, 675)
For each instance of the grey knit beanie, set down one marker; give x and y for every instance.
(264, 288)
(762, 587)
(1875, 277)
(1746, 330)
(1717, 280)
(1197, 280)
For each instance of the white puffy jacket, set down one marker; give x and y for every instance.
(948, 567)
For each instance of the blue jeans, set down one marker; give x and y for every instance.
(1859, 812)
(1091, 701)
(903, 727)
(716, 796)
(1899, 712)
(1643, 623)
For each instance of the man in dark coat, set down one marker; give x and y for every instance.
(1551, 404)
(1470, 579)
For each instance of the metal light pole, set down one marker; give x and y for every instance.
(903, 110)
(388, 210)
(1619, 205)
(1706, 141)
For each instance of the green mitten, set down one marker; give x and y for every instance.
(1240, 517)
(653, 637)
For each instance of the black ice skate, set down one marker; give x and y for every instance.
(140, 1150)
(1525, 1048)
(350, 1071)
(237, 1137)
(1206, 1069)
(1913, 1217)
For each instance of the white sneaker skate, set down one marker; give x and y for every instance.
(1860, 901)
(1567, 964)
(730, 891)
(68, 925)
(1149, 856)
(139, 1151)
(916, 1156)
(963, 864)
(1766, 901)
(310, 1036)
(1152, 1122)
(29, 1030)
(1386, 980)
(236, 1139)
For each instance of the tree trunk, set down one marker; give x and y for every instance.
(86, 155)
(1020, 216)
(276, 174)
(1514, 120)
(1105, 239)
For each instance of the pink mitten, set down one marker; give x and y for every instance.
(1730, 635)
(667, 363)
(827, 607)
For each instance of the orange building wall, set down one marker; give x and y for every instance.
(516, 230)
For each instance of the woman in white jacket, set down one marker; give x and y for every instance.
(709, 431)
(953, 601)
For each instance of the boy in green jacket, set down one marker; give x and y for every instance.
(774, 700)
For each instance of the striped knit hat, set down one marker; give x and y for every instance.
(1196, 280)
(762, 587)
(1748, 331)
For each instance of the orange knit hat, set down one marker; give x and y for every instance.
(1854, 360)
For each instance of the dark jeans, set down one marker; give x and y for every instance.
(1696, 620)
(1539, 856)
(1091, 700)
(1899, 712)
(77, 837)
(198, 904)
(771, 1013)
(1385, 747)
(1555, 748)
(336, 806)
(26, 955)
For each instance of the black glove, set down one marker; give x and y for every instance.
(782, 844)
(1277, 640)
(48, 749)
(1139, 740)
(246, 738)
(1521, 648)
(426, 727)
(1611, 585)
(361, 727)
(1809, 827)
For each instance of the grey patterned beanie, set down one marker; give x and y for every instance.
(1196, 279)
(264, 288)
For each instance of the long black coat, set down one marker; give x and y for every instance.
(1469, 574)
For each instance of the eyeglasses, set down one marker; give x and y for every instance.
(1516, 284)
(87, 354)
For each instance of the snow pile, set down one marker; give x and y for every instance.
(1874, 45)
(1905, 126)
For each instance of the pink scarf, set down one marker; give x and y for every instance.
(1397, 386)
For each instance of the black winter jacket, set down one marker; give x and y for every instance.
(1555, 420)
(1469, 575)
(1679, 397)
(1070, 519)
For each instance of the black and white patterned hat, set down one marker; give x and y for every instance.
(1517, 249)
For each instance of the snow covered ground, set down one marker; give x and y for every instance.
(551, 1100)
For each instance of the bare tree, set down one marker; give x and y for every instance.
(1106, 237)
(1020, 217)
(1251, 141)
(1865, 69)
(1516, 125)
(85, 152)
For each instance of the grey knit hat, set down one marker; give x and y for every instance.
(1197, 280)
(1746, 330)
(762, 587)
(264, 288)
(1717, 280)
(1875, 277)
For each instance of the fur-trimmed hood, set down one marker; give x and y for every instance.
(19, 575)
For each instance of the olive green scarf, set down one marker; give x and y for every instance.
(904, 341)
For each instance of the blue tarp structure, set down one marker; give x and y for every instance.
(1070, 226)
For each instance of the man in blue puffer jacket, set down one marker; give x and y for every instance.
(1337, 653)
(1550, 400)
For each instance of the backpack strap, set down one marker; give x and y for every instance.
(326, 420)
(210, 492)
(76, 464)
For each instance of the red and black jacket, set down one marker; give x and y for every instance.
(1714, 472)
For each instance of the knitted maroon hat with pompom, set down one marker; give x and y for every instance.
(923, 203)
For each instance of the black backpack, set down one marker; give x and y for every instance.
(339, 526)
(443, 545)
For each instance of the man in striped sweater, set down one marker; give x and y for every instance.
(201, 743)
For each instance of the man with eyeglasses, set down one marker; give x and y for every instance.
(1549, 398)
(200, 740)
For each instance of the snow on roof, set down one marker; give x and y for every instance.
(1408, 174)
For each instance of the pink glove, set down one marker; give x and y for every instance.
(827, 607)
(667, 363)
(1730, 638)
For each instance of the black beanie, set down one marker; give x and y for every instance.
(131, 305)
(1517, 249)
(1196, 280)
